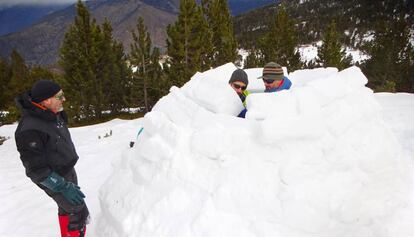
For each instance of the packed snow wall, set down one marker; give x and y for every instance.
(316, 160)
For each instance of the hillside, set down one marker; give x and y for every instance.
(238, 7)
(16, 18)
(355, 18)
(39, 44)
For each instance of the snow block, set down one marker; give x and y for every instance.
(316, 160)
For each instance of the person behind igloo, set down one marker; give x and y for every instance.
(274, 81)
(239, 82)
(273, 78)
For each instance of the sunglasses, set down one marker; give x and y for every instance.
(236, 86)
(268, 81)
(60, 96)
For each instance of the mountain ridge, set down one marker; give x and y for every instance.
(355, 19)
(39, 44)
(18, 17)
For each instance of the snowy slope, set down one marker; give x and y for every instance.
(26, 210)
(310, 53)
(198, 171)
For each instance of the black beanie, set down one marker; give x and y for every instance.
(239, 75)
(44, 89)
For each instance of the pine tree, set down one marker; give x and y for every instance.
(107, 74)
(149, 75)
(17, 81)
(78, 57)
(253, 59)
(408, 70)
(331, 53)
(159, 85)
(279, 44)
(140, 57)
(37, 73)
(19, 78)
(121, 80)
(206, 6)
(4, 81)
(96, 73)
(220, 22)
(188, 43)
(391, 63)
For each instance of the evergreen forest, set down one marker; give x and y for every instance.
(102, 81)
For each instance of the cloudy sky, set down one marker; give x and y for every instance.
(33, 2)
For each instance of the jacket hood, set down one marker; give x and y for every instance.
(24, 103)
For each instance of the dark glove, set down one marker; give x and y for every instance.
(69, 190)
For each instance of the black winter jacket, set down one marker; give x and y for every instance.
(44, 141)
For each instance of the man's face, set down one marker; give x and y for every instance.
(238, 86)
(271, 83)
(55, 103)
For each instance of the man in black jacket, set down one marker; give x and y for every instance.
(48, 154)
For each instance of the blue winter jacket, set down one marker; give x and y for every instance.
(286, 84)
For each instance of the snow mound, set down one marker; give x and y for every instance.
(316, 160)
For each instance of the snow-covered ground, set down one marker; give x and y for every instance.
(327, 158)
(310, 53)
(26, 210)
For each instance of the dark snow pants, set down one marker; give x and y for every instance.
(78, 214)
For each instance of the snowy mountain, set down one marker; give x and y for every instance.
(326, 158)
(355, 19)
(39, 43)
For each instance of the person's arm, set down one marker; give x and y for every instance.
(288, 83)
(32, 147)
